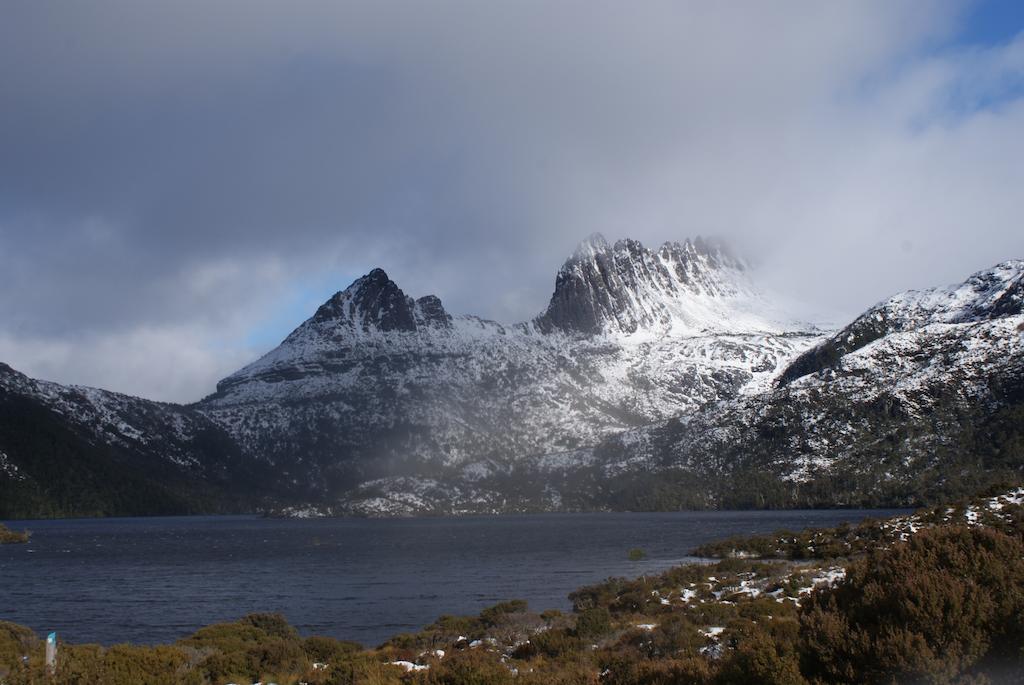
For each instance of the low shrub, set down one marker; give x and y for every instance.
(593, 623)
(492, 615)
(929, 609)
(760, 659)
(8, 536)
(553, 644)
(470, 667)
(629, 669)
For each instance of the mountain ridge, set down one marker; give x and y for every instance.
(994, 292)
(653, 379)
(471, 394)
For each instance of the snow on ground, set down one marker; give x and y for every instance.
(980, 513)
(410, 666)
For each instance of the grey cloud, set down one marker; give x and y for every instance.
(175, 167)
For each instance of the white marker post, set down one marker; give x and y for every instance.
(51, 652)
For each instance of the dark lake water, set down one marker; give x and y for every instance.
(158, 579)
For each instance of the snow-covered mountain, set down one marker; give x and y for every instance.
(654, 379)
(376, 384)
(77, 451)
(922, 396)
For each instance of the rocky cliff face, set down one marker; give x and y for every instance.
(623, 289)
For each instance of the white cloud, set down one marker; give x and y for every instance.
(174, 364)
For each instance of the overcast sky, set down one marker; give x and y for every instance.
(181, 183)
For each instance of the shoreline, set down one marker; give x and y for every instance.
(260, 515)
(539, 558)
(710, 611)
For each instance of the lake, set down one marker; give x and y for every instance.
(149, 580)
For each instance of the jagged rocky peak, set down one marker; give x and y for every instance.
(622, 288)
(375, 303)
(429, 311)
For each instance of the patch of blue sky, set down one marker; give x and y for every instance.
(979, 66)
(990, 40)
(992, 31)
(991, 22)
(293, 308)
